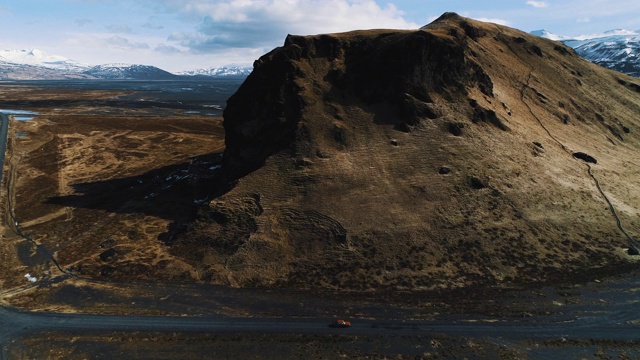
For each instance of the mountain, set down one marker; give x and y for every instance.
(35, 64)
(128, 71)
(12, 71)
(615, 49)
(220, 71)
(620, 52)
(548, 35)
(461, 154)
(35, 57)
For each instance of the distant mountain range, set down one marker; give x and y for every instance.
(35, 64)
(221, 71)
(615, 49)
(127, 71)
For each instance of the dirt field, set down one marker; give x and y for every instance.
(96, 186)
(177, 346)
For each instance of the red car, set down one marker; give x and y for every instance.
(340, 324)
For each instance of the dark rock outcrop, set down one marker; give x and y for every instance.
(399, 68)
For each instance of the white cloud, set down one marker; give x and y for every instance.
(265, 23)
(103, 48)
(93, 41)
(538, 4)
(154, 23)
(123, 43)
(167, 49)
(495, 21)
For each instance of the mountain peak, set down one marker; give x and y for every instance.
(620, 32)
(220, 71)
(36, 57)
(121, 71)
(547, 35)
(444, 19)
(36, 52)
(115, 65)
(449, 16)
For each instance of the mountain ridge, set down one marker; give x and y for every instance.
(37, 57)
(121, 71)
(219, 71)
(617, 49)
(35, 64)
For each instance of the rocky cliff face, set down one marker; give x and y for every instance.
(457, 154)
(399, 69)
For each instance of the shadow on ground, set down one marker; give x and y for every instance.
(172, 192)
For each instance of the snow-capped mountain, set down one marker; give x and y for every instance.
(128, 71)
(36, 64)
(10, 71)
(35, 57)
(617, 49)
(220, 71)
(548, 35)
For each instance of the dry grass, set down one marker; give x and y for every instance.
(89, 185)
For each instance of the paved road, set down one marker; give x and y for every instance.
(612, 326)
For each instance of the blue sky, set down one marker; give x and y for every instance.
(187, 34)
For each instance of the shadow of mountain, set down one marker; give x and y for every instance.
(172, 192)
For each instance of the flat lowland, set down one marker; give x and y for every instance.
(92, 184)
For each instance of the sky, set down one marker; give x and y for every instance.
(178, 35)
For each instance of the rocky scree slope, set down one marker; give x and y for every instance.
(436, 158)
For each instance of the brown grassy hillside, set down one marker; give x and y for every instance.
(440, 157)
